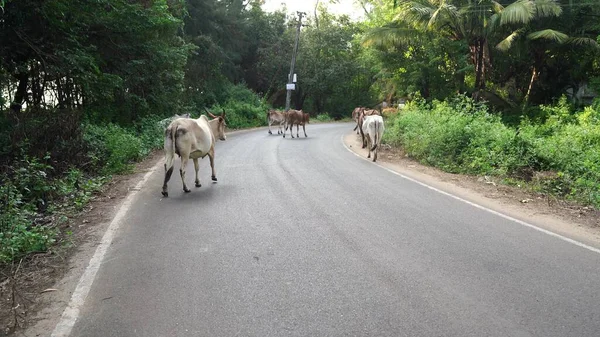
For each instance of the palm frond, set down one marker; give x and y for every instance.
(414, 12)
(549, 34)
(434, 16)
(505, 44)
(546, 8)
(389, 35)
(521, 11)
(443, 12)
(493, 23)
(583, 41)
(497, 7)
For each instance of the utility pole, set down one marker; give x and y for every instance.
(288, 97)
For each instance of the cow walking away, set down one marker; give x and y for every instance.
(297, 117)
(361, 118)
(355, 116)
(275, 117)
(373, 131)
(192, 139)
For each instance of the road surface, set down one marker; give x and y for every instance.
(300, 237)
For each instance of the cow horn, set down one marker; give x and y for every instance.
(210, 113)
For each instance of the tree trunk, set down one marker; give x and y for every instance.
(534, 76)
(21, 93)
(480, 65)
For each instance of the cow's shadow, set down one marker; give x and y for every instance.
(197, 194)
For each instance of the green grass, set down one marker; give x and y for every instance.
(461, 136)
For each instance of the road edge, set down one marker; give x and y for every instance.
(562, 237)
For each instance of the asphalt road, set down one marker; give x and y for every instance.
(299, 237)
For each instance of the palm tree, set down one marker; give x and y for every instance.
(531, 35)
(473, 21)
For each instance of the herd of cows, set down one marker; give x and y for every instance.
(195, 138)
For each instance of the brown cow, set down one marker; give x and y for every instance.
(355, 115)
(192, 139)
(297, 117)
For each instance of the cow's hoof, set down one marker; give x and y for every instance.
(214, 178)
(165, 194)
(187, 190)
(270, 132)
(198, 185)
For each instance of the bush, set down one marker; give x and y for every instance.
(111, 148)
(243, 107)
(17, 235)
(324, 118)
(460, 136)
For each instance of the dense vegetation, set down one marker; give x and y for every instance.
(497, 87)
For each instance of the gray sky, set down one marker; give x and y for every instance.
(308, 6)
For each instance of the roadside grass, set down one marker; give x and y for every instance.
(557, 154)
(41, 191)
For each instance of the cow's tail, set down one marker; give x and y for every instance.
(174, 139)
(376, 136)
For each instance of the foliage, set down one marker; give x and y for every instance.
(27, 194)
(510, 53)
(334, 73)
(461, 136)
(243, 108)
(324, 118)
(113, 147)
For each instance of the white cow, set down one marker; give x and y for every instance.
(192, 139)
(373, 131)
(275, 117)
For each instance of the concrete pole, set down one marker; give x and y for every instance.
(288, 97)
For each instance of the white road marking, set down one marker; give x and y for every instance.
(520, 222)
(71, 313)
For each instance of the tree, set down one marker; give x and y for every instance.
(470, 21)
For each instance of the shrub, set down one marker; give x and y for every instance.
(324, 118)
(112, 148)
(460, 136)
(17, 234)
(243, 107)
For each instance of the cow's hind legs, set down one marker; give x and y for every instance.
(304, 129)
(168, 173)
(197, 181)
(364, 140)
(211, 156)
(184, 161)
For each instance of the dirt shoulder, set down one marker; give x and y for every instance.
(34, 299)
(574, 221)
(43, 283)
